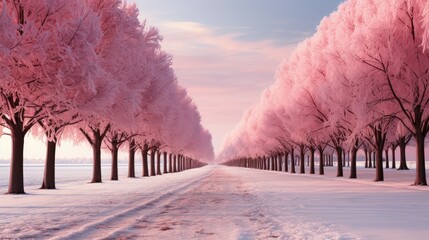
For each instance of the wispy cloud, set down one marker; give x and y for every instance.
(223, 74)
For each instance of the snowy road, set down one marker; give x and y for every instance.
(217, 202)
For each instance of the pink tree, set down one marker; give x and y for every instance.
(127, 54)
(53, 48)
(135, 73)
(387, 42)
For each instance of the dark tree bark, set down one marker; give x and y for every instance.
(145, 151)
(16, 180)
(152, 161)
(302, 159)
(52, 129)
(158, 163)
(131, 159)
(18, 130)
(170, 166)
(286, 161)
(264, 163)
(292, 161)
(339, 161)
(344, 158)
(165, 162)
(353, 169)
(366, 158)
(175, 163)
(380, 138)
(370, 159)
(114, 152)
(49, 173)
(321, 160)
(95, 138)
(386, 151)
(312, 150)
(96, 153)
(403, 158)
(276, 162)
(393, 147)
(420, 151)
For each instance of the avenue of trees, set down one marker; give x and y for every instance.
(89, 70)
(359, 83)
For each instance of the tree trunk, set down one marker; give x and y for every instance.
(152, 162)
(312, 160)
(386, 151)
(321, 161)
(379, 142)
(170, 166)
(286, 161)
(95, 138)
(96, 151)
(393, 157)
(276, 162)
(49, 174)
(302, 159)
(131, 159)
(403, 158)
(158, 163)
(420, 150)
(175, 163)
(353, 171)
(366, 158)
(16, 178)
(292, 161)
(165, 162)
(344, 158)
(114, 151)
(420, 162)
(339, 161)
(370, 159)
(145, 164)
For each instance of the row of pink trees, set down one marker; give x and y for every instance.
(361, 82)
(90, 70)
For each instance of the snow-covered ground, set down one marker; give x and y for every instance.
(218, 202)
(65, 173)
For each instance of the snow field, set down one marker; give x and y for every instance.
(218, 202)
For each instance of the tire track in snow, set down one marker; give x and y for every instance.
(218, 207)
(98, 228)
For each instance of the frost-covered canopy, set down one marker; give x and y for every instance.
(364, 72)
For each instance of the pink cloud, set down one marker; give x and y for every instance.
(223, 75)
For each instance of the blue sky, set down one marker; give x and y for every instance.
(284, 21)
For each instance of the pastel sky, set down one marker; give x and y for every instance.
(227, 51)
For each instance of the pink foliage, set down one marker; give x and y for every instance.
(364, 71)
